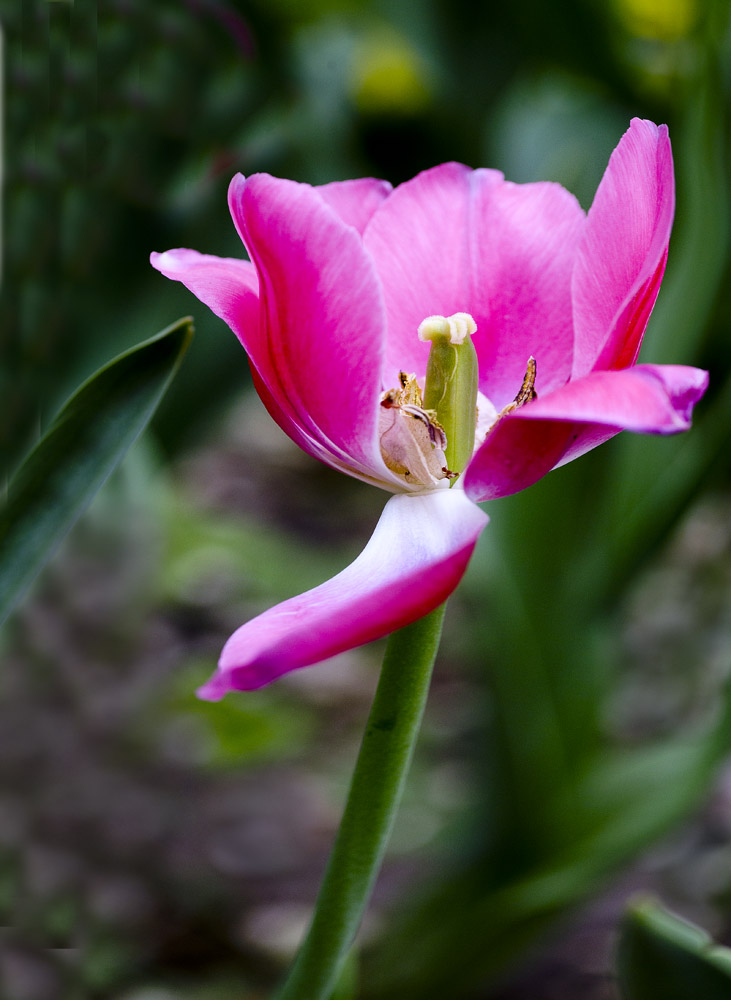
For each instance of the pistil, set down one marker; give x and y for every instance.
(451, 383)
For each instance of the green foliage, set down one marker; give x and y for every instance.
(81, 447)
(660, 955)
(122, 121)
(198, 541)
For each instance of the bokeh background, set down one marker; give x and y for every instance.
(575, 749)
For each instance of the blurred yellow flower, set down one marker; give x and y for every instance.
(666, 20)
(388, 76)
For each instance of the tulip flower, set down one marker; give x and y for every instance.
(451, 341)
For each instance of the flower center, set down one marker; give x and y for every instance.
(428, 437)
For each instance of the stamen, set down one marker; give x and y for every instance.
(527, 391)
(410, 391)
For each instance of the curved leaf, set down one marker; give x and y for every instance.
(84, 443)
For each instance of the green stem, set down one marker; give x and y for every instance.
(375, 791)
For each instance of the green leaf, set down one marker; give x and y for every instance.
(660, 955)
(85, 442)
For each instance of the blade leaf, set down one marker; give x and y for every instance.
(85, 442)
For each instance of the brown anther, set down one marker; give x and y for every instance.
(527, 391)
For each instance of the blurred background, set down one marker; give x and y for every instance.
(576, 746)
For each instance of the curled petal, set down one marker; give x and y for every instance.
(558, 427)
(228, 286)
(319, 343)
(458, 240)
(412, 563)
(624, 249)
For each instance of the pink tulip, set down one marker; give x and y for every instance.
(340, 279)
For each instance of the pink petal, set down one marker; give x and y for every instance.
(622, 256)
(414, 560)
(554, 429)
(460, 240)
(314, 447)
(228, 286)
(318, 347)
(355, 201)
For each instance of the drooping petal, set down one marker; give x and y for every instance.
(228, 286)
(554, 429)
(355, 201)
(622, 255)
(460, 240)
(414, 560)
(319, 344)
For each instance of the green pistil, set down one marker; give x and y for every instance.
(451, 383)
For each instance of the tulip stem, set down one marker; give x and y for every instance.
(375, 791)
